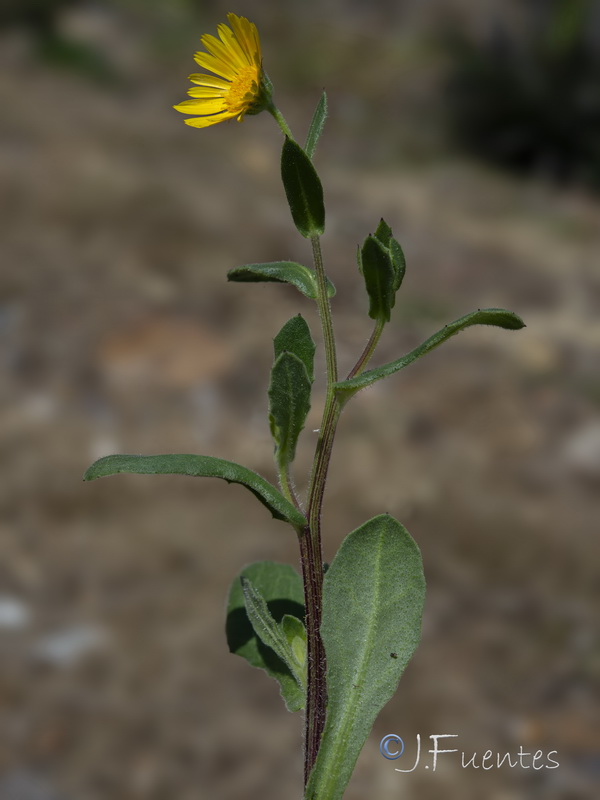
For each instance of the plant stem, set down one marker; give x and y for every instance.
(368, 351)
(287, 487)
(311, 552)
(310, 543)
(316, 695)
(280, 120)
(325, 314)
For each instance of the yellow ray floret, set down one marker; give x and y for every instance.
(238, 86)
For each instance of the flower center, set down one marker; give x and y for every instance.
(244, 89)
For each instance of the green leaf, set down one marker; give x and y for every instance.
(384, 235)
(316, 126)
(289, 404)
(303, 190)
(399, 262)
(200, 466)
(269, 632)
(295, 634)
(486, 316)
(281, 587)
(289, 391)
(379, 274)
(373, 598)
(303, 278)
(295, 338)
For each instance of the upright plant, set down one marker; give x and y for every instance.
(336, 640)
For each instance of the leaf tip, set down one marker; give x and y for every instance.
(513, 322)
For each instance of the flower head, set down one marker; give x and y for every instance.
(241, 86)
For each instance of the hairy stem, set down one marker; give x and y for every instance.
(280, 120)
(325, 314)
(312, 555)
(311, 552)
(286, 485)
(368, 351)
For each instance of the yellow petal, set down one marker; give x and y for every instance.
(204, 122)
(206, 92)
(215, 65)
(247, 35)
(230, 42)
(201, 106)
(222, 52)
(209, 80)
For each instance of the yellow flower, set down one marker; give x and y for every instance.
(241, 88)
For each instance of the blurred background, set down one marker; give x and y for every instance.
(474, 129)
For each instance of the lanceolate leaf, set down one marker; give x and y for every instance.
(398, 261)
(269, 632)
(289, 404)
(316, 126)
(373, 598)
(384, 234)
(303, 190)
(281, 588)
(200, 466)
(378, 272)
(486, 316)
(303, 278)
(295, 338)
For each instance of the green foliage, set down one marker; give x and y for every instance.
(303, 190)
(289, 404)
(382, 265)
(200, 466)
(289, 391)
(379, 274)
(295, 338)
(279, 637)
(373, 599)
(279, 588)
(295, 634)
(526, 97)
(498, 317)
(384, 235)
(316, 126)
(303, 278)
